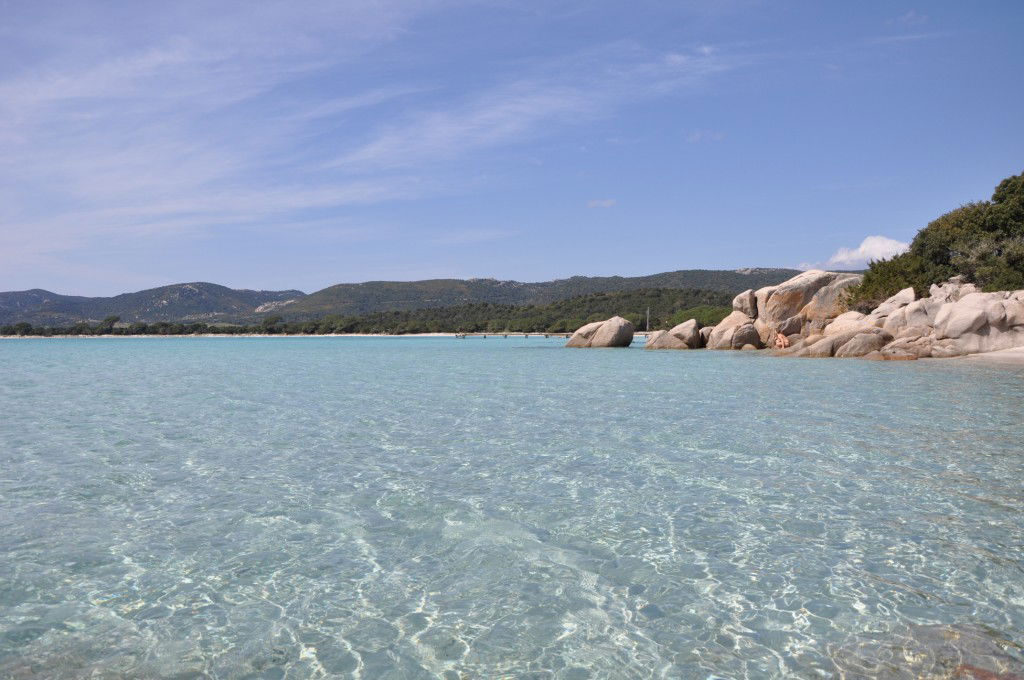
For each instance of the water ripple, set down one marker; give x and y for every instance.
(407, 508)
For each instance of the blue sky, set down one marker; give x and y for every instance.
(279, 145)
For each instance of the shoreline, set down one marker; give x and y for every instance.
(1003, 357)
(1013, 356)
(555, 336)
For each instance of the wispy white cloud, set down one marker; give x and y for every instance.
(588, 86)
(871, 248)
(601, 203)
(185, 130)
(170, 126)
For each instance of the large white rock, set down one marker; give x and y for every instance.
(963, 316)
(583, 335)
(615, 332)
(900, 299)
(790, 296)
(721, 336)
(684, 336)
(746, 302)
(1014, 310)
(828, 302)
(895, 321)
(847, 321)
(662, 340)
(761, 295)
(746, 337)
(863, 343)
(921, 312)
(829, 345)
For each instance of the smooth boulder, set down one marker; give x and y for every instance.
(791, 296)
(615, 332)
(828, 302)
(861, 344)
(746, 337)
(721, 336)
(830, 345)
(684, 336)
(746, 302)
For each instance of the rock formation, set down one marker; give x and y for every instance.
(684, 336)
(733, 332)
(615, 332)
(955, 319)
(803, 305)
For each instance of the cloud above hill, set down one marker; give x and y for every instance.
(871, 248)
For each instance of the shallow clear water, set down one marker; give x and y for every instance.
(405, 508)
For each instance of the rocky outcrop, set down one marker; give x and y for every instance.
(982, 322)
(955, 319)
(803, 305)
(686, 335)
(615, 332)
(861, 341)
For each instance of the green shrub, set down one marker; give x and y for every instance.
(706, 315)
(983, 241)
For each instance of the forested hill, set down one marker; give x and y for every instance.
(206, 302)
(667, 306)
(211, 303)
(355, 299)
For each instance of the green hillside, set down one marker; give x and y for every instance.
(354, 299)
(179, 302)
(211, 303)
(667, 307)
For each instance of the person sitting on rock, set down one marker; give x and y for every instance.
(781, 341)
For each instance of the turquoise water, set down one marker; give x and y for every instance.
(407, 508)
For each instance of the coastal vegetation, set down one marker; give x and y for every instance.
(355, 299)
(983, 242)
(668, 307)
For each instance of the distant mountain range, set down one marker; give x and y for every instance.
(179, 302)
(212, 303)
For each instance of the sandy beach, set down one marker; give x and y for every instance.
(1013, 356)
